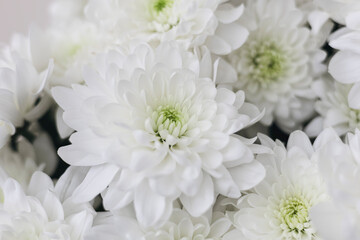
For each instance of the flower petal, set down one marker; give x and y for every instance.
(96, 180)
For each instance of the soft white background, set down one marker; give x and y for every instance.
(17, 15)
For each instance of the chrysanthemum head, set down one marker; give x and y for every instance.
(267, 61)
(174, 123)
(294, 214)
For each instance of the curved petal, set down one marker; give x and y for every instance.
(202, 201)
(96, 180)
(344, 67)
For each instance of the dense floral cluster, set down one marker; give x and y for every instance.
(161, 120)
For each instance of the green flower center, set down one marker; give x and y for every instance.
(170, 120)
(294, 214)
(161, 15)
(74, 49)
(160, 5)
(169, 114)
(268, 62)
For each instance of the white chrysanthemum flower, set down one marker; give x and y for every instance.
(71, 46)
(339, 164)
(193, 23)
(339, 9)
(278, 63)
(153, 126)
(333, 108)
(41, 212)
(278, 208)
(344, 65)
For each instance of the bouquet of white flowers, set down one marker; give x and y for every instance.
(183, 120)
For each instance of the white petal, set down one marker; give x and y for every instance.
(317, 19)
(8, 108)
(69, 181)
(225, 96)
(65, 97)
(325, 137)
(347, 42)
(211, 159)
(63, 129)
(53, 206)
(220, 227)
(248, 175)
(202, 201)
(14, 197)
(39, 182)
(26, 76)
(143, 158)
(225, 185)
(227, 13)
(314, 128)
(353, 20)
(328, 220)
(344, 67)
(354, 96)
(114, 198)
(81, 224)
(224, 72)
(217, 45)
(300, 139)
(164, 185)
(234, 35)
(96, 180)
(151, 208)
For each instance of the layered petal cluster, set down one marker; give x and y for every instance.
(339, 164)
(339, 9)
(344, 65)
(181, 225)
(41, 211)
(333, 108)
(71, 46)
(278, 208)
(153, 127)
(21, 88)
(192, 23)
(115, 227)
(279, 61)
